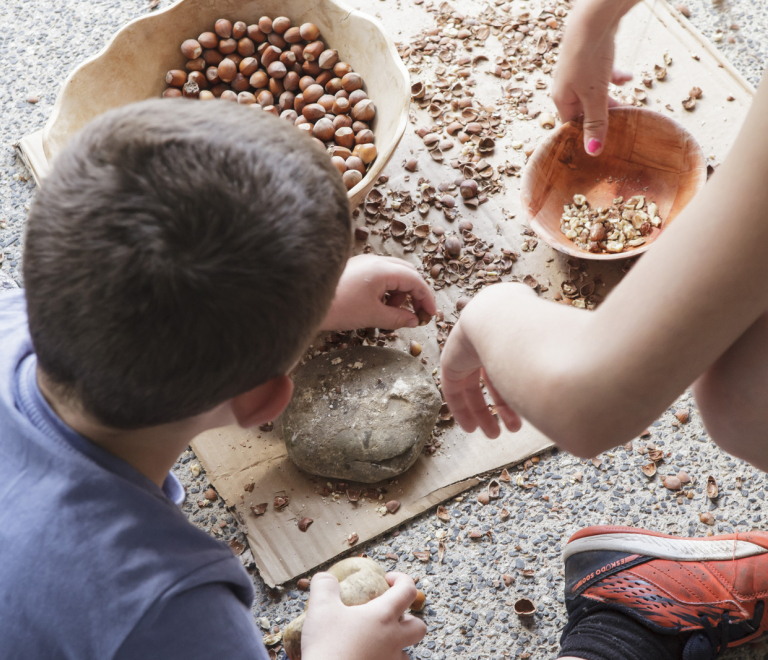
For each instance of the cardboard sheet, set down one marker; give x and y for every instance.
(235, 458)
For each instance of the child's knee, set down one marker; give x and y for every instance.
(717, 408)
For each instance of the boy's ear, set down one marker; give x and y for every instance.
(264, 403)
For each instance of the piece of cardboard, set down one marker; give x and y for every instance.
(235, 457)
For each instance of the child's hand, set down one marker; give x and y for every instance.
(462, 370)
(359, 300)
(378, 630)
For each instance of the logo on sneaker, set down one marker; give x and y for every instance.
(607, 568)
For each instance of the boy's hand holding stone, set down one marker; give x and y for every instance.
(360, 300)
(378, 630)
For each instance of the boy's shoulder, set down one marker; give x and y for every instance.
(89, 546)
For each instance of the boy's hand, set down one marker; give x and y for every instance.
(359, 300)
(378, 630)
(462, 370)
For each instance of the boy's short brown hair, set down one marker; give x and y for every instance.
(181, 253)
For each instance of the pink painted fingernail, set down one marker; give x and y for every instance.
(593, 146)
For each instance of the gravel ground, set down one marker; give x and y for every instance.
(469, 608)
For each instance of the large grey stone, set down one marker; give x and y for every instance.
(360, 414)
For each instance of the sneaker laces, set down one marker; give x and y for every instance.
(726, 627)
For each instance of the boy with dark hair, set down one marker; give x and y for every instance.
(177, 263)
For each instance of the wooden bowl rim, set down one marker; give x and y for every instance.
(543, 233)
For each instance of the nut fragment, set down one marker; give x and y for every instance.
(672, 483)
(304, 523)
(393, 506)
(442, 514)
(281, 501)
(303, 584)
(711, 488)
(525, 608)
(649, 469)
(210, 494)
(707, 518)
(423, 315)
(547, 120)
(415, 348)
(682, 415)
(259, 509)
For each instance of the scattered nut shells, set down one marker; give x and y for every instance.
(672, 483)
(649, 469)
(712, 491)
(304, 523)
(707, 518)
(524, 608)
(393, 506)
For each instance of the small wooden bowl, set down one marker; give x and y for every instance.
(646, 154)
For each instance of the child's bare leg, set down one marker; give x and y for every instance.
(732, 396)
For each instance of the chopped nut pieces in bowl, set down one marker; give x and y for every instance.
(615, 205)
(152, 53)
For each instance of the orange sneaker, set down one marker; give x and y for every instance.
(712, 589)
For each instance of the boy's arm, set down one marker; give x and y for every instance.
(593, 380)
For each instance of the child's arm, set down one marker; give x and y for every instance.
(378, 630)
(359, 300)
(593, 380)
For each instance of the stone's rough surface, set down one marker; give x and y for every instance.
(361, 413)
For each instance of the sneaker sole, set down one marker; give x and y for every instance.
(663, 547)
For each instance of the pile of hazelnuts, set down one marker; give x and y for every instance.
(286, 70)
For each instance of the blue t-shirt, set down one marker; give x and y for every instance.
(96, 561)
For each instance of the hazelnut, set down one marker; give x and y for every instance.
(235, 57)
(313, 93)
(246, 47)
(240, 83)
(258, 80)
(452, 246)
(354, 163)
(291, 81)
(300, 119)
(313, 111)
(305, 127)
(276, 86)
(342, 121)
(327, 102)
(286, 101)
(227, 46)
(270, 54)
(341, 152)
(255, 34)
(277, 70)
(412, 165)
(364, 111)
(289, 115)
(468, 189)
(333, 86)
(271, 109)
(212, 57)
(341, 94)
(276, 40)
(198, 78)
(265, 24)
(198, 64)
(359, 126)
(191, 49)
(227, 70)
(249, 66)
(288, 59)
(311, 68)
(324, 77)
(305, 82)
(206, 95)
(313, 51)
(364, 137)
(465, 225)
(365, 152)
(340, 106)
(318, 143)
(239, 30)
(246, 98)
(175, 77)
(281, 24)
(299, 103)
(309, 32)
(345, 137)
(341, 69)
(351, 178)
(208, 40)
(219, 89)
(323, 129)
(223, 28)
(292, 35)
(351, 82)
(171, 93)
(298, 51)
(190, 90)
(328, 58)
(265, 98)
(356, 96)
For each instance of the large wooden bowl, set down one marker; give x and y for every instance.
(133, 65)
(646, 154)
